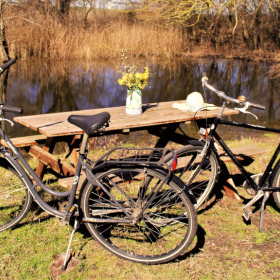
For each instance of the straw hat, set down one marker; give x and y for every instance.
(194, 103)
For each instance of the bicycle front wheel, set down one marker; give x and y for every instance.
(15, 199)
(161, 233)
(188, 161)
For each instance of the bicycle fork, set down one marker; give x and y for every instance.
(247, 212)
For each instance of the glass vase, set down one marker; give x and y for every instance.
(134, 102)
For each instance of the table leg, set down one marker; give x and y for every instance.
(74, 146)
(49, 147)
(165, 135)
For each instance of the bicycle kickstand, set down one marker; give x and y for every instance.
(76, 226)
(265, 197)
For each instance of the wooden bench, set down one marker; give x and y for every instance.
(32, 142)
(26, 141)
(247, 151)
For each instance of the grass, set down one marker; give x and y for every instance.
(225, 246)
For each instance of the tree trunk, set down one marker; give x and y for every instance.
(243, 21)
(63, 8)
(4, 55)
(278, 25)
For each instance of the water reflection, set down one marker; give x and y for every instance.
(48, 87)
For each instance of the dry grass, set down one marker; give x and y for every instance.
(106, 33)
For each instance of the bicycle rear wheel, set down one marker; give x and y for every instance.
(275, 179)
(15, 199)
(163, 232)
(188, 161)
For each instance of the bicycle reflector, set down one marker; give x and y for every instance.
(174, 162)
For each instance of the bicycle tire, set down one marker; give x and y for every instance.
(275, 179)
(15, 198)
(165, 230)
(188, 160)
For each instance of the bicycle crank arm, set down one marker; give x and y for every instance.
(247, 212)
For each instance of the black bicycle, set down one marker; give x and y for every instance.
(201, 164)
(130, 201)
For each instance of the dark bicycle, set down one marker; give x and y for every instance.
(130, 201)
(202, 165)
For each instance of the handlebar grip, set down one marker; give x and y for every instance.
(11, 109)
(7, 65)
(257, 106)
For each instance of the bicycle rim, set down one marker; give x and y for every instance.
(15, 199)
(164, 231)
(188, 162)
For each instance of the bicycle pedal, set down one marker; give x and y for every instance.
(247, 213)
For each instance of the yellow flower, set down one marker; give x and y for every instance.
(133, 80)
(121, 82)
(125, 77)
(145, 76)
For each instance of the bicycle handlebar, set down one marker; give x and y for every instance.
(224, 96)
(11, 109)
(7, 65)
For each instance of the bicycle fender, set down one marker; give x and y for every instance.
(196, 143)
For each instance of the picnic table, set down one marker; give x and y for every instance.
(158, 119)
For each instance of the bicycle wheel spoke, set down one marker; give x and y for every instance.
(163, 226)
(15, 200)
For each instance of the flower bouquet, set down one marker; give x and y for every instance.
(134, 82)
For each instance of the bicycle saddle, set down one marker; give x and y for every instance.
(89, 124)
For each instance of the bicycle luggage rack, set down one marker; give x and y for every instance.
(134, 155)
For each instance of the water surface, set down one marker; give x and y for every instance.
(57, 86)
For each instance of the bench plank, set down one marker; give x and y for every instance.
(240, 152)
(48, 159)
(25, 141)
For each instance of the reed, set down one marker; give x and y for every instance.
(104, 36)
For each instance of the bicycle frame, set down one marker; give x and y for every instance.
(212, 133)
(82, 164)
(18, 167)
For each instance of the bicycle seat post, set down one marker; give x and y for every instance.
(84, 144)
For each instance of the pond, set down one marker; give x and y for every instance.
(56, 86)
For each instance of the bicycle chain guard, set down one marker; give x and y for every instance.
(256, 179)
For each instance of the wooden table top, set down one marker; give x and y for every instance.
(160, 113)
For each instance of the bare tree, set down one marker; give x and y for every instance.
(89, 5)
(63, 8)
(4, 55)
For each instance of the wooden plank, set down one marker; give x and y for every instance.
(153, 114)
(67, 182)
(248, 150)
(25, 141)
(48, 159)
